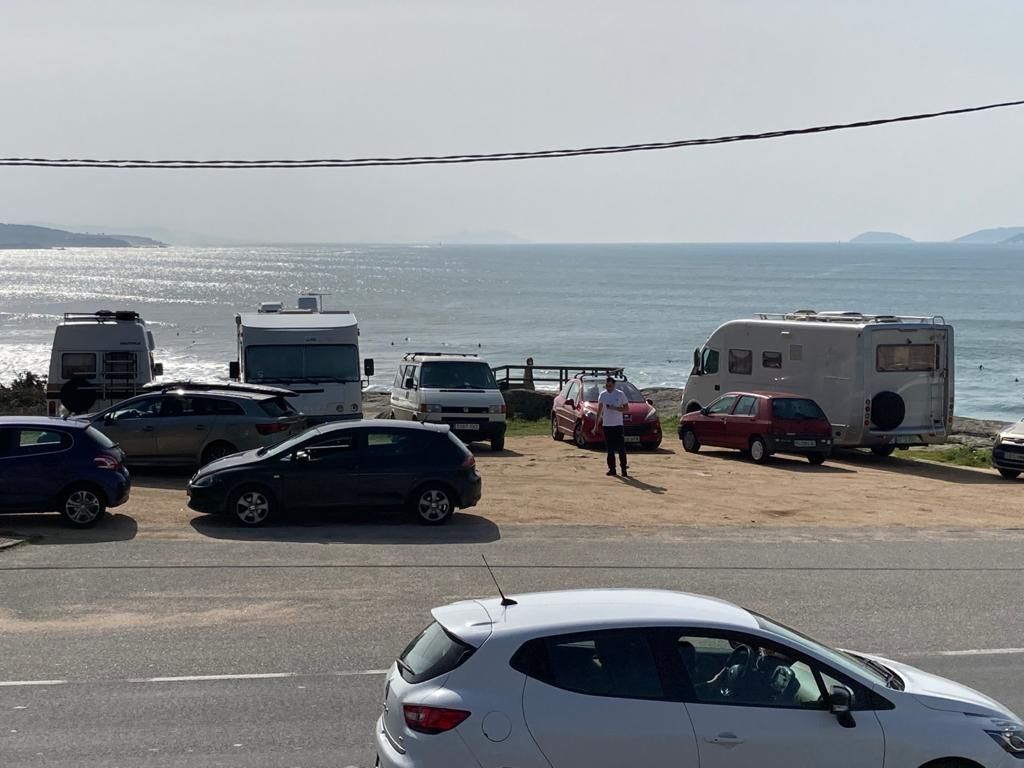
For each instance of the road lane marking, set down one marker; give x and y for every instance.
(12, 683)
(982, 652)
(202, 678)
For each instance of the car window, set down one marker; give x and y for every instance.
(7, 436)
(455, 374)
(741, 361)
(565, 390)
(98, 437)
(332, 448)
(595, 388)
(145, 408)
(796, 409)
(722, 405)
(615, 662)
(223, 407)
(771, 359)
(432, 653)
(574, 392)
(77, 364)
(392, 443)
(274, 407)
(36, 441)
(709, 361)
(747, 406)
(735, 670)
(906, 357)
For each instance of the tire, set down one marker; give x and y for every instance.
(82, 505)
(432, 504)
(216, 450)
(816, 458)
(252, 506)
(759, 452)
(578, 437)
(690, 442)
(651, 446)
(883, 451)
(556, 433)
(951, 762)
(1010, 474)
(498, 443)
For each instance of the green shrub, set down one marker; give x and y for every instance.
(25, 395)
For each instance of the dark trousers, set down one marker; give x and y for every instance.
(615, 441)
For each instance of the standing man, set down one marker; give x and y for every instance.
(611, 404)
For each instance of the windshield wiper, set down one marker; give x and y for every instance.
(892, 680)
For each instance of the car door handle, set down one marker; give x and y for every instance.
(200, 427)
(725, 739)
(147, 429)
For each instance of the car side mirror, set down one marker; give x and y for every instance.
(840, 701)
(650, 402)
(368, 367)
(705, 411)
(407, 384)
(158, 369)
(696, 362)
(303, 456)
(234, 371)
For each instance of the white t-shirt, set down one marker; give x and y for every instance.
(616, 397)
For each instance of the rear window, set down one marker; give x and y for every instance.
(796, 409)
(434, 652)
(276, 407)
(906, 357)
(99, 438)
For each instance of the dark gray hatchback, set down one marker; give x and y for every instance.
(346, 464)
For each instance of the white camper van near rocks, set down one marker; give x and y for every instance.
(99, 359)
(883, 381)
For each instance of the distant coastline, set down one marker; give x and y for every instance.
(25, 236)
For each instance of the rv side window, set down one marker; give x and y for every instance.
(77, 364)
(906, 357)
(741, 361)
(771, 359)
(710, 361)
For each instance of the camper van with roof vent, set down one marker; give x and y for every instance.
(884, 381)
(97, 360)
(311, 351)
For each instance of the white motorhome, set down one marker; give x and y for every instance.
(99, 359)
(882, 380)
(309, 350)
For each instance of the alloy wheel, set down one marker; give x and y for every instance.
(252, 508)
(83, 507)
(434, 505)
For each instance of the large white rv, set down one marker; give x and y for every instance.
(98, 359)
(883, 381)
(309, 350)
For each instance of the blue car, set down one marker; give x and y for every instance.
(53, 465)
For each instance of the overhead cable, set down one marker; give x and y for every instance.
(496, 157)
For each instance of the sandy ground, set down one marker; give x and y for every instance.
(540, 482)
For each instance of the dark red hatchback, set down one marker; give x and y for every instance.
(760, 424)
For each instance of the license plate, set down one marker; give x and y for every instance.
(804, 443)
(632, 438)
(906, 439)
(467, 426)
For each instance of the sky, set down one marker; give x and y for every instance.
(307, 78)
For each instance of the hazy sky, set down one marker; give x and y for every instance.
(306, 78)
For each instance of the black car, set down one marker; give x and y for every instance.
(358, 463)
(52, 465)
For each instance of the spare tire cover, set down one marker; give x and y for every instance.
(887, 410)
(78, 395)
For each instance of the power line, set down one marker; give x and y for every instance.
(496, 157)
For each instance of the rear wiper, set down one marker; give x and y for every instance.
(404, 667)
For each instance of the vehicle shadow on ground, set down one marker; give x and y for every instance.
(948, 473)
(51, 529)
(353, 527)
(785, 463)
(483, 451)
(170, 478)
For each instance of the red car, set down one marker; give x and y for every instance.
(574, 412)
(759, 425)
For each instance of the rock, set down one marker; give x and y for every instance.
(528, 404)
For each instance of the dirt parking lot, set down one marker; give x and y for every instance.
(540, 482)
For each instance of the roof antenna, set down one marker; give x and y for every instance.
(505, 601)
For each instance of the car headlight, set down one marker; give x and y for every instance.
(652, 415)
(1009, 735)
(204, 481)
(431, 408)
(999, 440)
(589, 413)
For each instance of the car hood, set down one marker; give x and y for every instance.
(234, 460)
(943, 694)
(1015, 431)
(459, 398)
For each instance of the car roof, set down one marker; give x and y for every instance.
(338, 426)
(768, 395)
(226, 394)
(567, 611)
(444, 359)
(41, 421)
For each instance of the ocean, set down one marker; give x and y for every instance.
(644, 307)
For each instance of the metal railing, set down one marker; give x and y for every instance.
(517, 376)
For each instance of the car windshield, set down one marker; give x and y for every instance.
(844, 662)
(287, 446)
(456, 374)
(298, 362)
(595, 387)
(796, 409)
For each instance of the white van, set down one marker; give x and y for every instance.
(457, 390)
(311, 351)
(882, 380)
(99, 359)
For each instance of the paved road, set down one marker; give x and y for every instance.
(253, 652)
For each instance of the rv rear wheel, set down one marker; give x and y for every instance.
(759, 451)
(1010, 474)
(883, 451)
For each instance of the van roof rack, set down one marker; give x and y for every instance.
(411, 355)
(103, 315)
(224, 386)
(845, 316)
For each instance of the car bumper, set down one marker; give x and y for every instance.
(208, 499)
(442, 750)
(122, 491)
(480, 430)
(799, 444)
(1008, 457)
(470, 496)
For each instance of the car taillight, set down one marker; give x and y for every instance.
(432, 719)
(272, 429)
(470, 462)
(106, 462)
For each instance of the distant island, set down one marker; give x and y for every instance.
(880, 237)
(1015, 240)
(993, 236)
(28, 236)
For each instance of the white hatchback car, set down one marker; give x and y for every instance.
(614, 678)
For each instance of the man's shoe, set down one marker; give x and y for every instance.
(610, 473)
(624, 472)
